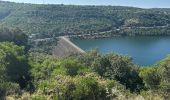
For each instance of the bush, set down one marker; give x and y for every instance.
(13, 65)
(116, 67)
(89, 88)
(150, 77)
(13, 35)
(9, 88)
(164, 72)
(72, 67)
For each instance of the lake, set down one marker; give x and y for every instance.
(145, 50)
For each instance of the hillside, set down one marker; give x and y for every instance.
(29, 71)
(50, 20)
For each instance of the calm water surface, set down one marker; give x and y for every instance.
(144, 50)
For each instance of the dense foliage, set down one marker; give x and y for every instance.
(13, 35)
(94, 76)
(38, 76)
(35, 75)
(14, 68)
(116, 67)
(55, 20)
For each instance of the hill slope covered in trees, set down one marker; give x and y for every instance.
(50, 20)
(32, 75)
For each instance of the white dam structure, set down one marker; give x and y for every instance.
(65, 48)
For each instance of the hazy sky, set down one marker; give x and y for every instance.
(135, 3)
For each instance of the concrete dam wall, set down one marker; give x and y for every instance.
(65, 48)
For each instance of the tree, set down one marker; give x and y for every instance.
(150, 77)
(13, 65)
(164, 72)
(119, 68)
(13, 35)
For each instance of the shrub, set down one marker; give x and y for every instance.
(13, 65)
(150, 77)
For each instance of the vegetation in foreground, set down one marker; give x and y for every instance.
(92, 76)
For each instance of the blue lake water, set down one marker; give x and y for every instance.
(145, 50)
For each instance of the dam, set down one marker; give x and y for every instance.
(65, 47)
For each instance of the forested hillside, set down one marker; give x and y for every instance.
(54, 20)
(29, 72)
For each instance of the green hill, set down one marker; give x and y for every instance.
(47, 20)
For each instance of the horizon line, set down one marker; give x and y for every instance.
(83, 5)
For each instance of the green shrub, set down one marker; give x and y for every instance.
(9, 88)
(13, 65)
(150, 77)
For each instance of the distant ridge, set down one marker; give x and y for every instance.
(49, 20)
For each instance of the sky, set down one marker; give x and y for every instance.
(134, 3)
